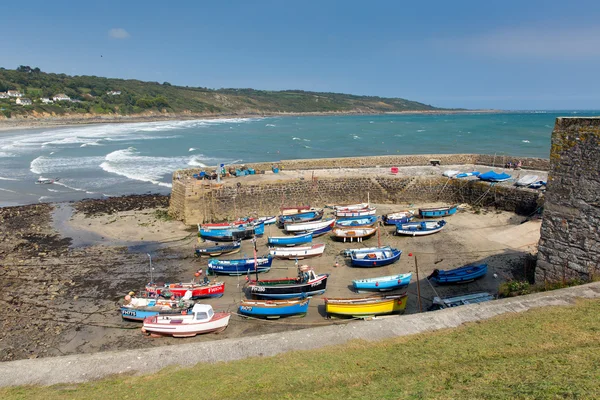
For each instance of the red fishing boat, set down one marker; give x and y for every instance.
(199, 290)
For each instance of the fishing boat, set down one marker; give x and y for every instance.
(354, 234)
(268, 220)
(307, 283)
(420, 228)
(219, 249)
(527, 180)
(199, 290)
(400, 217)
(348, 207)
(308, 226)
(273, 309)
(317, 232)
(349, 222)
(312, 214)
(376, 258)
(362, 212)
(348, 252)
(201, 320)
(366, 306)
(241, 232)
(450, 173)
(537, 185)
(467, 174)
(138, 308)
(438, 211)
(224, 225)
(241, 266)
(382, 283)
(492, 176)
(299, 253)
(46, 181)
(473, 298)
(289, 240)
(465, 274)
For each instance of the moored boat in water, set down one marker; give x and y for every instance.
(201, 320)
(366, 306)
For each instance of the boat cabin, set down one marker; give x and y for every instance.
(202, 312)
(306, 273)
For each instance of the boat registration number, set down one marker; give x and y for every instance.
(258, 289)
(245, 308)
(129, 313)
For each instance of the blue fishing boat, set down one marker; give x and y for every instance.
(375, 258)
(465, 274)
(397, 218)
(290, 240)
(420, 228)
(317, 232)
(313, 214)
(472, 298)
(272, 309)
(230, 234)
(438, 211)
(492, 176)
(138, 308)
(382, 283)
(349, 222)
(348, 252)
(241, 266)
(219, 249)
(268, 220)
(467, 174)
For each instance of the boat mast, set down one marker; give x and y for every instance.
(255, 260)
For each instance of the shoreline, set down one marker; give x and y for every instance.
(60, 122)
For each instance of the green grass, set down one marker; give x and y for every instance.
(548, 353)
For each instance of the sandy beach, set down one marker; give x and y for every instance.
(70, 264)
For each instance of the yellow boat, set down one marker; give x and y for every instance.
(366, 306)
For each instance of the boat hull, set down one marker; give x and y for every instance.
(308, 226)
(179, 326)
(274, 308)
(287, 290)
(437, 212)
(299, 253)
(353, 234)
(290, 240)
(365, 307)
(465, 274)
(382, 283)
(214, 251)
(139, 314)
(417, 229)
(375, 259)
(179, 290)
(240, 267)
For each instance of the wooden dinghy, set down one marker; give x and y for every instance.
(366, 306)
(299, 253)
(399, 217)
(420, 228)
(465, 274)
(354, 234)
(382, 283)
(201, 320)
(376, 258)
(273, 309)
(307, 283)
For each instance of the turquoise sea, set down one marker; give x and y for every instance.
(116, 159)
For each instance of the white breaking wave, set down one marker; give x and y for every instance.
(296, 138)
(192, 149)
(271, 125)
(420, 130)
(7, 190)
(525, 141)
(7, 179)
(51, 165)
(355, 137)
(72, 187)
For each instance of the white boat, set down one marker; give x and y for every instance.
(450, 173)
(308, 226)
(420, 228)
(202, 320)
(298, 252)
(361, 212)
(348, 252)
(352, 234)
(527, 180)
(45, 181)
(347, 207)
(268, 220)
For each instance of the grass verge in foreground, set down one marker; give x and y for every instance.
(544, 353)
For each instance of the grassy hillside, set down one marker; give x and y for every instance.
(139, 97)
(546, 353)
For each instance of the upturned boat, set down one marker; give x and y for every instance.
(298, 252)
(348, 252)
(219, 249)
(492, 176)
(366, 306)
(307, 283)
(230, 234)
(241, 266)
(438, 211)
(400, 217)
(308, 226)
(273, 309)
(382, 283)
(351, 222)
(361, 212)
(375, 258)
(450, 173)
(290, 240)
(353, 234)
(199, 290)
(420, 228)
(138, 308)
(473, 298)
(201, 320)
(465, 274)
(527, 180)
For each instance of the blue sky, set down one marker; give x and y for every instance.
(473, 54)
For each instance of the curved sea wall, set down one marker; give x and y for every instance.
(194, 201)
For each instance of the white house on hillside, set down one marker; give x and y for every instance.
(24, 101)
(46, 100)
(114, 92)
(4, 95)
(61, 97)
(14, 93)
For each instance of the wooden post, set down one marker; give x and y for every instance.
(418, 285)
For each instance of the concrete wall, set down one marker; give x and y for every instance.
(570, 234)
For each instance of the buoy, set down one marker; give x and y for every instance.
(376, 284)
(197, 274)
(184, 312)
(410, 254)
(399, 280)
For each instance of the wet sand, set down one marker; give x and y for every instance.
(64, 276)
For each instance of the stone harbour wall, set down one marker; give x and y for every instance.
(570, 235)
